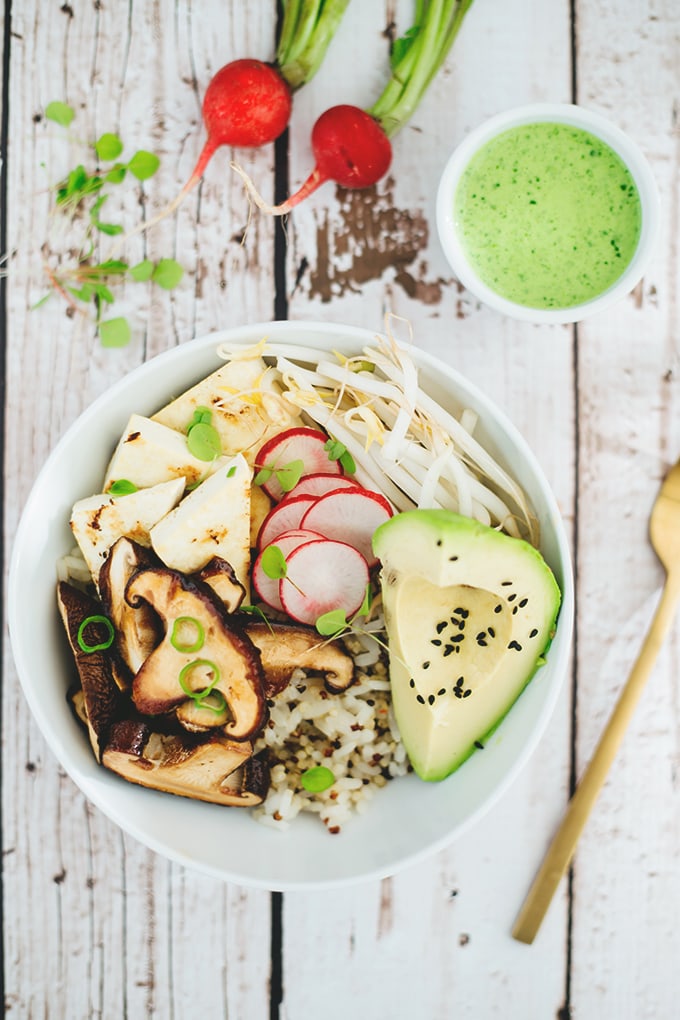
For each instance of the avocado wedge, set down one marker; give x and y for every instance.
(469, 612)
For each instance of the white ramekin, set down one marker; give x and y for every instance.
(596, 125)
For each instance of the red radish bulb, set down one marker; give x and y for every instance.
(349, 147)
(248, 104)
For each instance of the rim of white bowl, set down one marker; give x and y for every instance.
(89, 784)
(563, 113)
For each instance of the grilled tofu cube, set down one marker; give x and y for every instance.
(150, 453)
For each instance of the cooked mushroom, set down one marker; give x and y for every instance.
(199, 653)
(286, 647)
(138, 631)
(102, 700)
(222, 578)
(216, 770)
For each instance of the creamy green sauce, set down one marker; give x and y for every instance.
(548, 215)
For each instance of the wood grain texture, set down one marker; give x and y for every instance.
(95, 925)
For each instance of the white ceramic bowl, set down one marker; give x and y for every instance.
(408, 818)
(578, 117)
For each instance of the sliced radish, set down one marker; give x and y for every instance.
(283, 517)
(349, 515)
(323, 575)
(301, 443)
(320, 483)
(268, 587)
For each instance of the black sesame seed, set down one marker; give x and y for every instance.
(442, 691)
(435, 641)
(523, 602)
(467, 693)
(442, 625)
(481, 635)
(479, 745)
(462, 612)
(420, 699)
(505, 584)
(514, 610)
(516, 645)
(439, 542)
(431, 699)
(498, 609)
(411, 682)
(460, 681)
(452, 559)
(533, 633)
(482, 643)
(457, 638)
(448, 649)
(512, 596)
(492, 632)
(426, 665)
(458, 692)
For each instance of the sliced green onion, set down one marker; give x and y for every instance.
(317, 779)
(214, 702)
(198, 696)
(175, 636)
(104, 620)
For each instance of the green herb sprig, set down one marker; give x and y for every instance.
(81, 195)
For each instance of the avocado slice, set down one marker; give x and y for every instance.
(469, 613)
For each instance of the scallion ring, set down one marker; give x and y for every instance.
(175, 641)
(198, 696)
(215, 702)
(88, 649)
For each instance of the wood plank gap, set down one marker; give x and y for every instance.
(4, 139)
(276, 955)
(281, 191)
(573, 11)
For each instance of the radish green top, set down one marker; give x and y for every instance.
(548, 214)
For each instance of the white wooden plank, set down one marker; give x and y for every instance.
(431, 953)
(96, 925)
(626, 872)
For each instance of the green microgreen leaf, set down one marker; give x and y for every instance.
(331, 623)
(273, 562)
(108, 147)
(60, 113)
(143, 165)
(232, 471)
(102, 293)
(290, 474)
(142, 271)
(263, 475)
(365, 607)
(104, 228)
(114, 332)
(84, 293)
(201, 415)
(116, 175)
(167, 273)
(122, 487)
(338, 451)
(111, 267)
(203, 441)
(317, 779)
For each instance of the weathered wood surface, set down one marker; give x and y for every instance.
(94, 924)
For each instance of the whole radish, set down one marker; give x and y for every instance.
(352, 146)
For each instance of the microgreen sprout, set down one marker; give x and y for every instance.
(274, 562)
(203, 439)
(121, 487)
(317, 779)
(334, 623)
(338, 451)
(288, 475)
(81, 196)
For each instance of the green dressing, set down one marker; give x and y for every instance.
(548, 215)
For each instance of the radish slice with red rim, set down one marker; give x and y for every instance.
(297, 444)
(283, 517)
(268, 587)
(321, 482)
(349, 515)
(323, 575)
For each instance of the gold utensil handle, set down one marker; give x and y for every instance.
(564, 842)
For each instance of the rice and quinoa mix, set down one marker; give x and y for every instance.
(353, 734)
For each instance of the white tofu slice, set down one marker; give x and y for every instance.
(99, 521)
(212, 520)
(149, 453)
(243, 398)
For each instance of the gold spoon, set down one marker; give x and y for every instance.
(664, 532)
